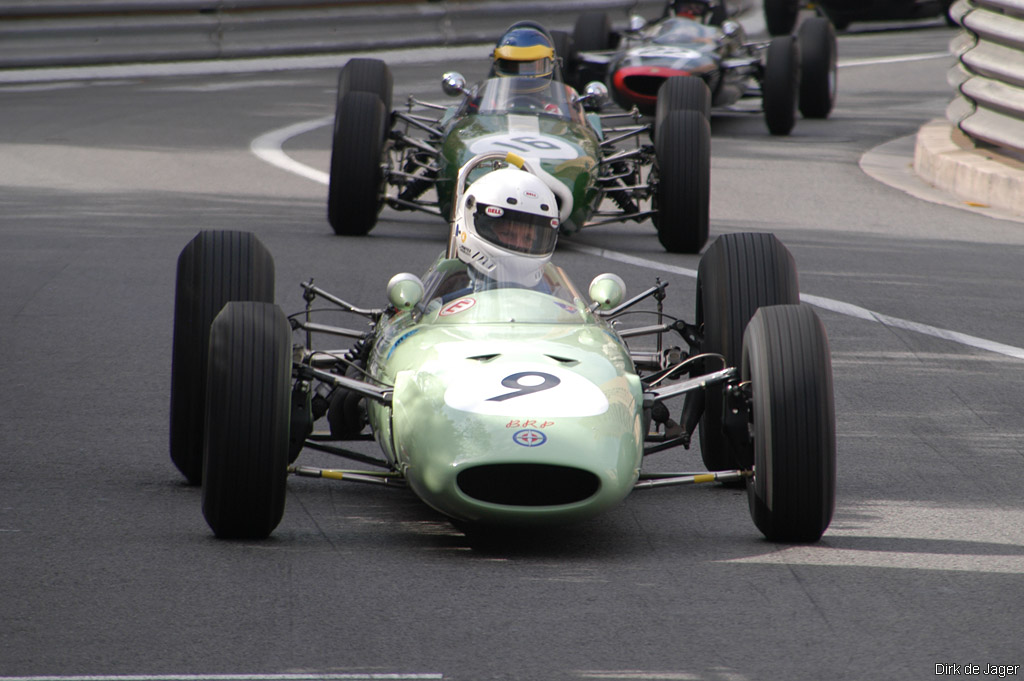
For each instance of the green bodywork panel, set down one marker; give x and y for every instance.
(507, 376)
(566, 143)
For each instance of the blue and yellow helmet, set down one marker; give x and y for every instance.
(524, 51)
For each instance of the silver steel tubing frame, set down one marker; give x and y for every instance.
(653, 480)
(415, 122)
(376, 393)
(372, 477)
(697, 382)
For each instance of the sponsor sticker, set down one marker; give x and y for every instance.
(529, 438)
(455, 307)
(495, 212)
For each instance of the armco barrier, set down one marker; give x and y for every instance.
(989, 78)
(74, 32)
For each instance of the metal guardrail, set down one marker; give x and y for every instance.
(989, 78)
(77, 32)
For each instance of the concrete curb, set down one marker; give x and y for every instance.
(949, 160)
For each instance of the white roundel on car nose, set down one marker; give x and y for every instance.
(531, 389)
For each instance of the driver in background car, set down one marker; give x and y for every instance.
(698, 10)
(525, 49)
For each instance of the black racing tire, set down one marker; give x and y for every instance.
(682, 93)
(245, 462)
(780, 89)
(355, 192)
(738, 274)
(592, 32)
(214, 267)
(787, 361)
(817, 42)
(566, 54)
(366, 75)
(683, 165)
(780, 16)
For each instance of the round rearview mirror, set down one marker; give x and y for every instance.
(731, 28)
(453, 83)
(607, 290)
(595, 93)
(405, 291)
(637, 23)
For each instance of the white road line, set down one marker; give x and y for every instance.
(829, 304)
(877, 61)
(269, 147)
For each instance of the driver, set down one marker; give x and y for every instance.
(507, 228)
(524, 50)
(691, 9)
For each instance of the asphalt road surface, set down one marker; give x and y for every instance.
(107, 567)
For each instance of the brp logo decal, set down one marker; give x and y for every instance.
(529, 438)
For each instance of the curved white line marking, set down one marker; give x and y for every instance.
(268, 148)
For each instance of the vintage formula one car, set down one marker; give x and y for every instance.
(787, 73)
(503, 399)
(409, 159)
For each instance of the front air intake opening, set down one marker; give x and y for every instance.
(528, 484)
(644, 85)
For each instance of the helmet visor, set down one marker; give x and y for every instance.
(515, 230)
(536, 68)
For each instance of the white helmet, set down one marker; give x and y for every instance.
(507, 226)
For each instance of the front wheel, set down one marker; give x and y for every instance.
(245, 458)
(682, 198)
(787, 362)
(817, 39)
(781, 85)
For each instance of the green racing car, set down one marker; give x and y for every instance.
(603, 169)
(497, 391)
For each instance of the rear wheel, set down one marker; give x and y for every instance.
(780, 16)
(683, 165)
(566, 53)
(214, 268)
(247, 415)
(366, 75)
(781, 85)
(817, 39)
(738, 274)
(592, 33)
(786, 360)
(355, 192)
(682, 93)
